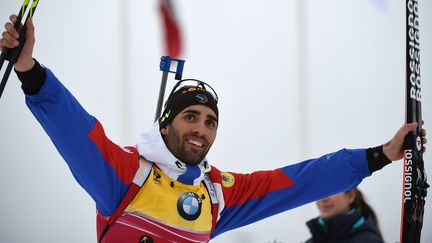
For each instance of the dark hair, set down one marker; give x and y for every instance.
(365, 209)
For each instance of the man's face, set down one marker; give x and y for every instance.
(191, 134)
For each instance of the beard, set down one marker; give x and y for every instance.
(177, 145)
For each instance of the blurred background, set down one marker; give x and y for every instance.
(296, 79)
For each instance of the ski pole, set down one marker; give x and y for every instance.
(165, 67)
(12, 54)
(6, 51)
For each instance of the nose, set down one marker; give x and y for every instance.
(199, 129)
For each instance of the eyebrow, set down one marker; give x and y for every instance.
(192, 111)
(211, 117)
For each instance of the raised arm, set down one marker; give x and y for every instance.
(101, 167)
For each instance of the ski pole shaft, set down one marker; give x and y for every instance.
(5, 77)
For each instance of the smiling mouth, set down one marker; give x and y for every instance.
(195, 142)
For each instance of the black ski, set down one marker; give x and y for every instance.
(12, 54)
(414, 176)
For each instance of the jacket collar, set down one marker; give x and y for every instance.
(339, 227)
(152, 147)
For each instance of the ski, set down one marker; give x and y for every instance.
(12, 54)
(414, 175)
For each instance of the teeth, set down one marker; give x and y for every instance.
(196, 143)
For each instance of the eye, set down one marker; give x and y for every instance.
(211, 123)
(189, 117)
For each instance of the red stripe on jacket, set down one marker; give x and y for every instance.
(254, 186)
(123, 160)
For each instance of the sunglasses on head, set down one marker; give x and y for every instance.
(194, 83)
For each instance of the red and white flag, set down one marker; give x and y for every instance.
(173, 40)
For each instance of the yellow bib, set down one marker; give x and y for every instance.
(173, 203)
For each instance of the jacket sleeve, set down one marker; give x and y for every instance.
(101, 167)
(248, 198)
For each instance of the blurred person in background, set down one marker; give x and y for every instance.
(345, 217)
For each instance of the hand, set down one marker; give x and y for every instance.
(393, 149)
(9, 39)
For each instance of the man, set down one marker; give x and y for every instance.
(164, 189)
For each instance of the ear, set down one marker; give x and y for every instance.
(164, 130)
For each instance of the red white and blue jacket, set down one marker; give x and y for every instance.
(164, 210)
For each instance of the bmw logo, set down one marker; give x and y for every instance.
(189, 205)
(201, 98)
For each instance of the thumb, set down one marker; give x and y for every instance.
(30, 38)
(393, 148)
(406, 128)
